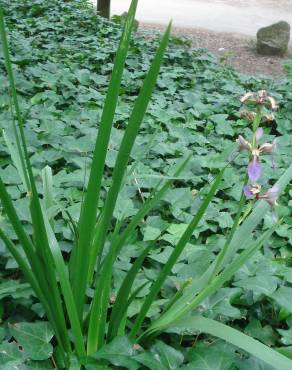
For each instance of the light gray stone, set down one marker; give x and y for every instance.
(274, 39)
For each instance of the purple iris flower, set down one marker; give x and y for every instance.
(254, 170)
(259, 133)
(247, 189)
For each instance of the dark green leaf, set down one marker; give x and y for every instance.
(34, 338)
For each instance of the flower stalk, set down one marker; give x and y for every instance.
(252, 190)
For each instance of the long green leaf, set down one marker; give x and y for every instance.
(235, 337)
(36, 265)
(229, 271)
(14, 153)
(20, 141)
(21, 146)
(23, 238)
(33, 281)
(241, 239)
(81, 254)
(129, 137)
(121, 301)
(18, 228)
(151, 201)
(47, 178)
(45, 258)
(97, 322)
(42, 248)
(123, 321)
(222, 253)
(175, 255)
(181, 309)
(66, 290)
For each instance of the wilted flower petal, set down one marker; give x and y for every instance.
(272, 102)
(242, 143)
(266, 148)
(254, 170)
(259, 133)
(262, 96)
(250, 116)
(246, 97)
(251, 190)
(271, 195)
(268, 117)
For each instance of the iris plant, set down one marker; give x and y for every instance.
(83, 324)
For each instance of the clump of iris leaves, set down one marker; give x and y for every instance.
(62, 56)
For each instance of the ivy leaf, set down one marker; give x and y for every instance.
(283, 297)
(213, 357)
(15, 289)
(11, 355)
(225, 220)
(260, 284)
(265, 334)
(119, 352)
(286, 336)
(151, 233)
(34, 338)
(161, 357)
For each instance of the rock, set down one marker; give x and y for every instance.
(274, 39)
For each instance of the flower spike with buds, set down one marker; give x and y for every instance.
(260, 98)
(252, 190)
(254, 166)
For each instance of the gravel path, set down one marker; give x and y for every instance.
(234, 16)
(225, 27)
(236, 49)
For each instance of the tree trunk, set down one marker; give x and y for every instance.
(103, 8)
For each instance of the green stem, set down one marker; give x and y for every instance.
(255, 124)
(222, 254)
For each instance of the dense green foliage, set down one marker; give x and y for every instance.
(63, 57)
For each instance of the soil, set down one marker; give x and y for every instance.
(236, 49)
